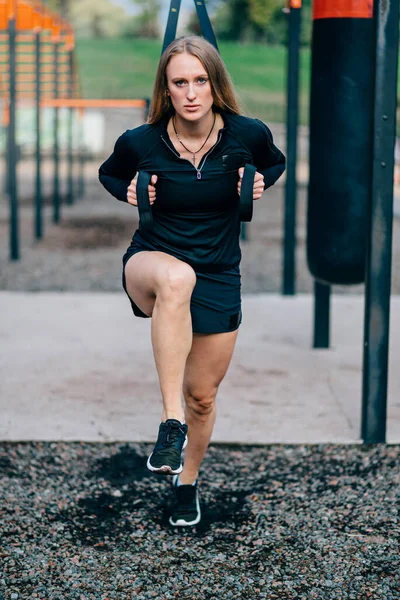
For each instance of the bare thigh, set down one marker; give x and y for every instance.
(148, 273)
(208, 362)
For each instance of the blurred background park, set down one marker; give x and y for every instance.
(117, 45)
(123, 37)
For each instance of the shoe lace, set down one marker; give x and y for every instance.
(171, 433)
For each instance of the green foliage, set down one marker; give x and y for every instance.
(258, 21)
(244, 20)
(232, 20)
(145, 24)
(261, 11)
(96, 18)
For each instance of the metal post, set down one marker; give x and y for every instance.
(322, 300)
(56, 183)
(378, 264)
(147, 108)
(289, 249)
(81, 178)
(38, 214)
(12, 145)
(6, 186)
(70, 184)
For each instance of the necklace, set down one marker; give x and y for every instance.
(191, 151)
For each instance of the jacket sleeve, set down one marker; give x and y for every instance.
(117, 172)
(268, 159)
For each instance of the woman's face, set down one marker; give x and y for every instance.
(189, 87)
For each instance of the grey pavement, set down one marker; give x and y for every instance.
(79, 366)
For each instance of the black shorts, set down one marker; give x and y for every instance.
(215, 305)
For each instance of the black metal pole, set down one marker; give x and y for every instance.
(322, 302)
(289, 244)
(7, 161)
(147, 108)
(378, 264)
(56, 149)
(70, 183)
(81, 177)
(12, 144)
(38, 194)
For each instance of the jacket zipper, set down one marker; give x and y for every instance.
(203, 159)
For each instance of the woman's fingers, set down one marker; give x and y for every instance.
(258, 186)
(131, 193)
(152, 189)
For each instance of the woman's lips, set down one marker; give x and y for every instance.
(191, 107)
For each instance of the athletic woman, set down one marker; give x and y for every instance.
(184, 272)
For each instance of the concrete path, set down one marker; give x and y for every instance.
(79, 366)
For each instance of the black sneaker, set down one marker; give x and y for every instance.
(166, 456)
(186, 510)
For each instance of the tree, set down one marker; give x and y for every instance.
(245, 20)
(193, 23)
(97, 18)
(146, 23)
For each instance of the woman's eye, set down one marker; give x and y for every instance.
(200, 80)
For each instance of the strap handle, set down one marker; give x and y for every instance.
(205, 23)
(142, 194)
(246, 193)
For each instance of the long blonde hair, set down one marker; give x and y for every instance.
(222, 89)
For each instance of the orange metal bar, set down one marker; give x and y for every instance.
(5, 117)
(24, 18)
(86, 103)
(12, 8)
(47, 58)
(26, 48)
(3, 17)
(49, 69)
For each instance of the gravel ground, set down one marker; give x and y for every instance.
(88, 521)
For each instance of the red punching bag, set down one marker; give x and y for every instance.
(341, 110)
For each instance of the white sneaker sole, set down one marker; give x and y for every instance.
(166, 469)
(182, 523)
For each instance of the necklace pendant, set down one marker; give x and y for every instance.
(198, 175)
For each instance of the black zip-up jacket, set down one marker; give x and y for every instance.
(196, 209)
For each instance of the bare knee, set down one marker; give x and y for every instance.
(176, 283)
(200, 402)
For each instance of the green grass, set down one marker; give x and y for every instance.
(125, 69)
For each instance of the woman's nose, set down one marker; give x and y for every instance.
(191, 91)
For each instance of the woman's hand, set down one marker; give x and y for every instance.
(258, 184)
(131, 195)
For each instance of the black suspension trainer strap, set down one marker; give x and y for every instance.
(205, 23)
(143, 200)
(246, 193)
(172, 22)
